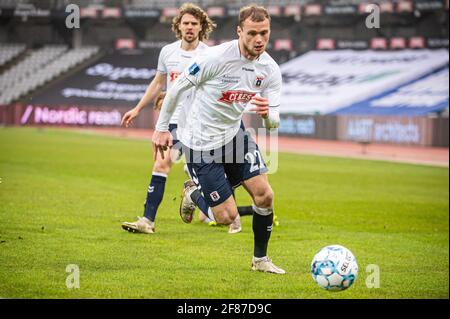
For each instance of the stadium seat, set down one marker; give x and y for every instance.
(9, 51)
(39, 68)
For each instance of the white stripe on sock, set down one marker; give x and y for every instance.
(262, 211)
(159, 174)
(211, 214)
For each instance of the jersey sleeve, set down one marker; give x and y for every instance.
(273, 90)
(162, 61)
(201, 70)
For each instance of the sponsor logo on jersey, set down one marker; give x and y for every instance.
(193, 69)
(236, 96)
(215, 196)
(173, 75)
(247, 69)
(230, 79)
(259, 80)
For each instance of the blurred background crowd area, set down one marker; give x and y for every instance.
(298, 26)
(386, 81)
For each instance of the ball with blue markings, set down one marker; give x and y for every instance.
(334, 268)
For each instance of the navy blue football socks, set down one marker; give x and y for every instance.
(262, 228)
(154, 195)
(198, 199)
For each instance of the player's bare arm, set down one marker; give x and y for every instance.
(261, 106)
(270, 114)
(162, 139)
(161, 142)
(152, 92)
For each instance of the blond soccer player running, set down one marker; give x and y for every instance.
(226, 79)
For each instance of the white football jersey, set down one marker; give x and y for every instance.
(172, 61)
(225, 83)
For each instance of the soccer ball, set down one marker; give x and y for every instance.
(334, 268)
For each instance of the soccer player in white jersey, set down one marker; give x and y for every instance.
(191, 26)
(226, 80)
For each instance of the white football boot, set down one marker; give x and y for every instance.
(142, 225)
(265, 264)
(187, 206)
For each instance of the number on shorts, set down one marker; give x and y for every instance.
(255, 159)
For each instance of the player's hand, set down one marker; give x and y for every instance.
(161, 142)
(159, 101)
(127, 119)
(261, 106)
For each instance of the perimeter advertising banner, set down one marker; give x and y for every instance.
(424, 95)
(384, 129)
(308, 126)
(98, 95)
(69, 116)
(322, 82)
(118, 79)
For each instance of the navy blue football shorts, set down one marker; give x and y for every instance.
(217, 172)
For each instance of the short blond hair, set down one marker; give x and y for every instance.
(253, 11)
(207, 24)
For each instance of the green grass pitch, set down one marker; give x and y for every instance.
(63, 196)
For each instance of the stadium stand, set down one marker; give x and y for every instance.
(301, 31)
(9, 52)
(40, 67)
(6, 4)
(208, 3)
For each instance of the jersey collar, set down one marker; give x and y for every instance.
(243, 58)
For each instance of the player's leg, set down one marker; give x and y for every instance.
(210, 190)
(157, 185)
(245, 211)
(259, 189)
(226, 212)
(236, 226)
(262, 195)
(192, 198)
(252, 174)
(202, 218)
(233, 228)
(243, 139)
(155, 193)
